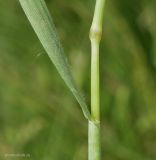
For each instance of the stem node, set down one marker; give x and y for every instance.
(95, 34)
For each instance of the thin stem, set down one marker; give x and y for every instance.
(94, 125)
(95, 113)
(95, 37)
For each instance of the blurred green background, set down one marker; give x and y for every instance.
(38, 114)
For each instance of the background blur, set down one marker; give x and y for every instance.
(38, 114)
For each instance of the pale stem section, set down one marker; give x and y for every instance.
(94, 149)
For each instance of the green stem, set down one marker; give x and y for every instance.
(94, 152)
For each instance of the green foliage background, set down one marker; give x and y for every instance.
(39, 116)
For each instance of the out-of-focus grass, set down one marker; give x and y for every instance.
(33, 117)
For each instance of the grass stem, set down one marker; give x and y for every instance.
(94, 152)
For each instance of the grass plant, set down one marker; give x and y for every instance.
(38, 114)
(42, 23)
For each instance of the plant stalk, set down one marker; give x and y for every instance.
(94, 149)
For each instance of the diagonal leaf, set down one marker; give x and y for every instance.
(42, 23)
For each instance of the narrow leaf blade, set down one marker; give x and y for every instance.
(42, 23)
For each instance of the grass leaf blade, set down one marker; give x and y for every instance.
(42, 23)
